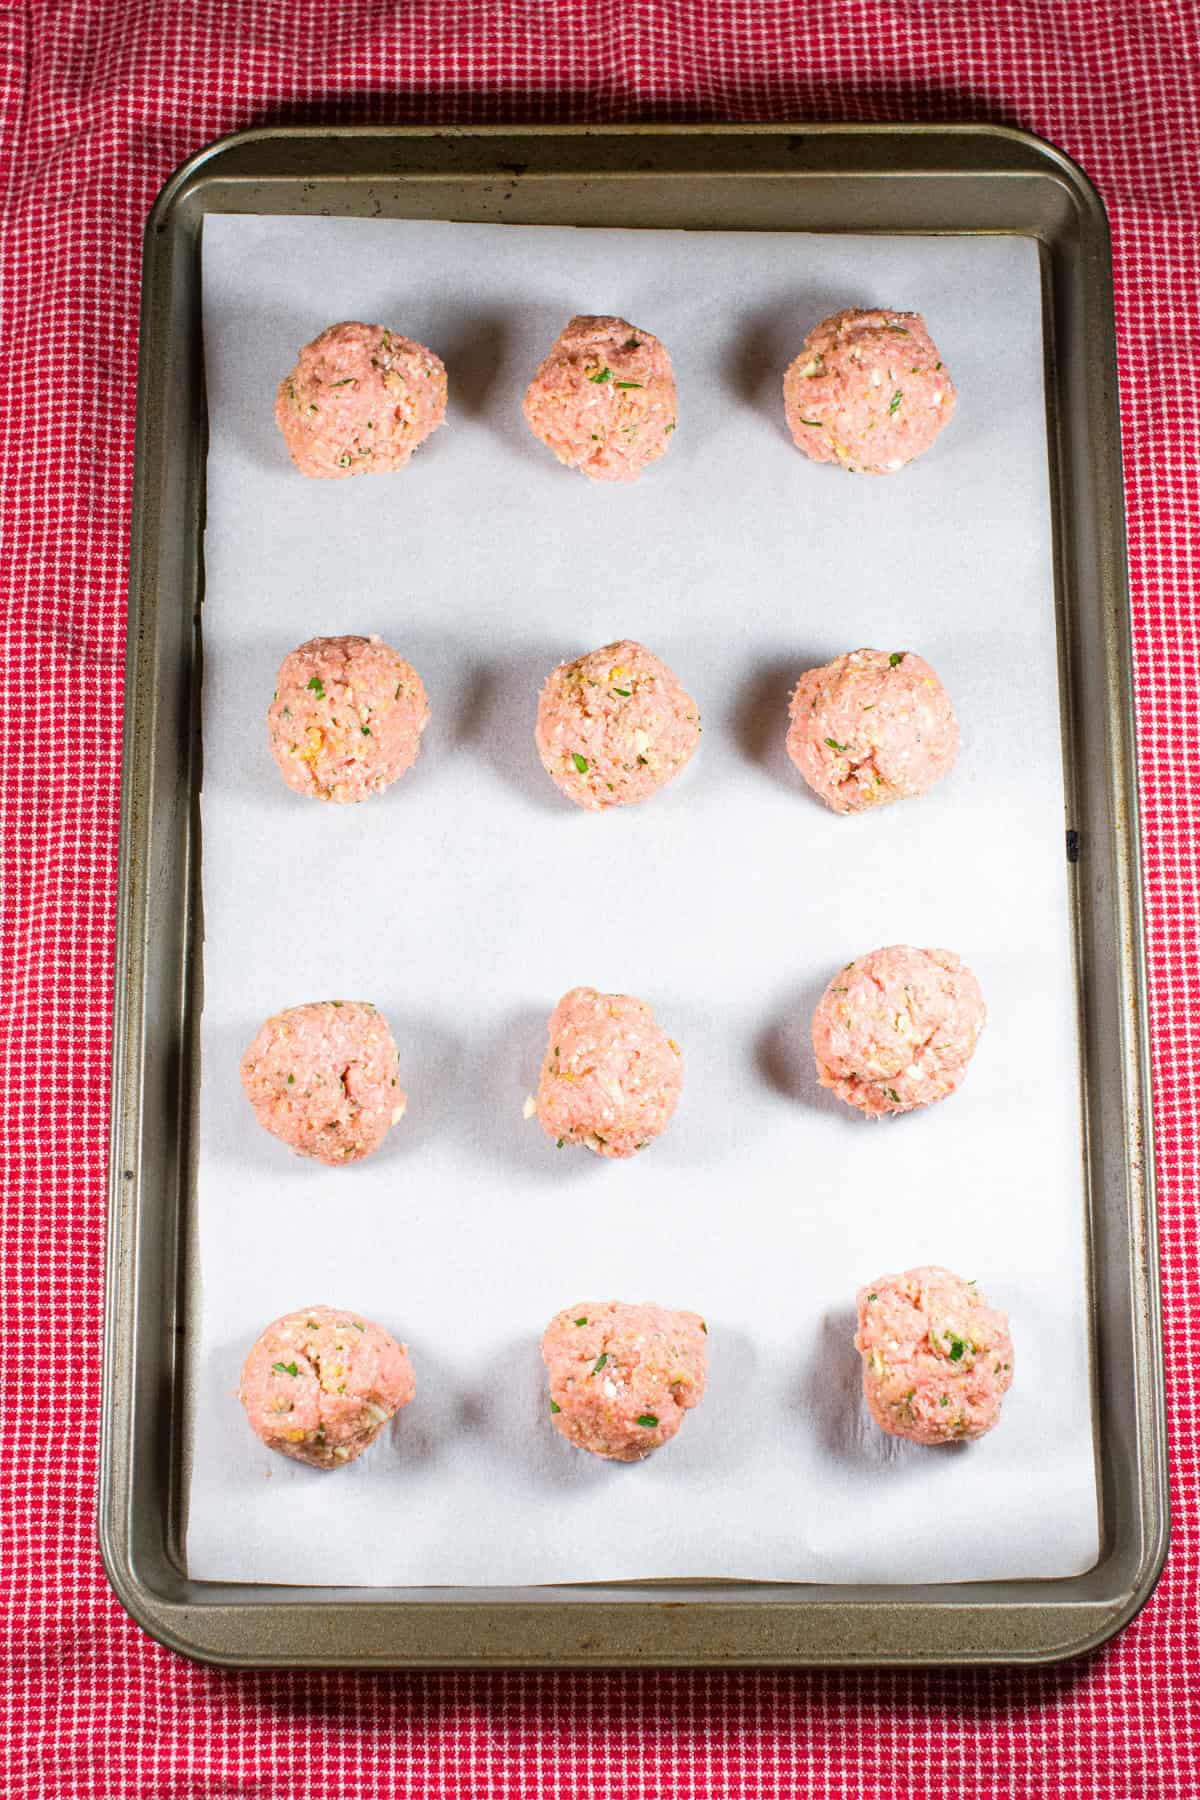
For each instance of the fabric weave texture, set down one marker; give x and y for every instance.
(99, 100)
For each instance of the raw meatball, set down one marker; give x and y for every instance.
(359, 401)
(937, 1359)
(346, 717)
(868, 390)
(604, 399)
(897, 1028)
(326, 1079)
(870, 727)
(622, 1377)
(614, 726)
(611, 1078)
(321, 1384)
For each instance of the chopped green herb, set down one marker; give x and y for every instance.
(357, 1326)
(396, 695)
(817, 422)
(560, 1143)
(901, 329)
(370, 424)
(624, 692)
(957, 1346)
(872, 1296)
(599, 1362)
(632, 344)
(834, 745)
(285, 1368)
(945, 1400)
(291, 1080)
(317, 687)
(668, 428)
(936, 367)
(897, 397)
(628, 384)
(892, 1095)
(344, 383)
(649, 1420)
(581, 762)
(581, 1321)
(604, 374)
(366, 731)
(555, 1407)
(644, 762)
(337, 1003)
(894, 658)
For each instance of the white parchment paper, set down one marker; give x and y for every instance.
(469, 897)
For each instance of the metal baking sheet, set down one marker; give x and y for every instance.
(756, 183)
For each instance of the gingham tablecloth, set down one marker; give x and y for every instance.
(100, 100)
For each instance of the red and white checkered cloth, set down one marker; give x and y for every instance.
(100, 100)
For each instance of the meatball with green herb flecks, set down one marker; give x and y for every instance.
(622, 1376)
(869, 390)
(359, 401)
(872, 727)
(896, 1029)
(346, 718)
(604, 398)
(937, 1359)
(614, 726)
(321, 1384)
(324, 1078)
(611, 1077)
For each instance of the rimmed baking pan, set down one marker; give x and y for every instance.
(828, 180)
